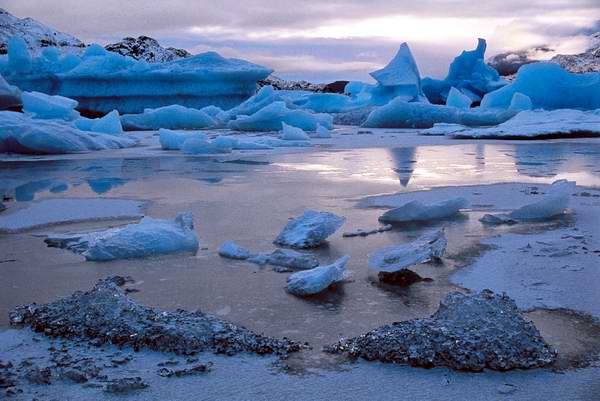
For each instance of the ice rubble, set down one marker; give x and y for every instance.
(553, 204)
(468, 73)
(290, 133)
(102, 81)
(149, 237)
(172, 117)
(314, 281)
(283, 260)
(418, 211)
(10, 96)
(549, 87)
(392, 259)
(458, 99)
(468, 332)
(530, 124)
(19, 133)
(40, 105)
(310, 229)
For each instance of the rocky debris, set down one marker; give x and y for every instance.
(282, 84)
(314, 281)
(309, 230)
(198, 369)
(106, 315)
(468, 332)
(37, 375)
(147, 49)
(363, 233)
(427, 248)
(125, 385)
(7, 375)
(37, 35)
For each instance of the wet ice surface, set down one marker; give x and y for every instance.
(251, 199)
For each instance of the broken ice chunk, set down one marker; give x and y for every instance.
(322, 132)
(418, 211)
(231, 250)
(315, 280)
(458, 99)
(291, 133)
(149, 237)
(426, 248)
(285, 260)
(309, 230)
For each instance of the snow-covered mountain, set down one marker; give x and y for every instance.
(36, 35)
(148, 49)
(282, 84)
(588, 61)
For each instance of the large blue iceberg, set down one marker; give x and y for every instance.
(549, 87)
(102, 81)
(468, 73)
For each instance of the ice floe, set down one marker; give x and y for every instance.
(314, 281)
(174, 117)
(40, 105)
(418, 211)
(149, 237)
(309, 230)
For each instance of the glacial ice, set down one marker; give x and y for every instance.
(231, 250)
(458, 99)
(322, 132)
(272, 117)
(468, 73)
(109, 124)
(19, 133)
(290, 133)
(173, 140)
(285, 260)
(197, 145)
(314, 281)
(172, 117)
(328, 103)
(309, 230)
(549, 87)
(149, 237)
(551, 205)
(520, 102)
(418, 211)
(10, 96)
(40, 105)
(427, 248)
(102, 81)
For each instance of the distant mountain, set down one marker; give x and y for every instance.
(148, 49)
(588, 61)
(508, 63)
(282, 84)
(36, 35)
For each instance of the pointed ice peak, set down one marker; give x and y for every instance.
(402, 70)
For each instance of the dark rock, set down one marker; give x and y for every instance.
(147, 49)
(74, 376)
(404, 277)
(335, 87)
(106, 315)
(468, 332)
(125, 385)
(198, 369)
(37, 375)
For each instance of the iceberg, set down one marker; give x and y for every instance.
(109, 124)
(418, 211)
(468, 73)
(40, 105)
(392, 259)
(549, 87)
(231, 250)
(10, 96)
(285, 260)
(309, 230)
(314, 281)
(172, 117)
(149, 237)
(272, 117)
(173, 140)
(19, 133)
(289, 133)
(197, 145)
(102, 81)
(553, 204)
(458, 99)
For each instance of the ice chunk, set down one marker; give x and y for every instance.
(427, 248)
(468, 73)
(310, 229)
(149, 237)
(272, 117)
(197, 145)
(264, 97)
(418, 211)
(231, 250)
(171, 117)
(10, 96)
(173, 140)
(520, 102)
(19, 133)
(553, 204)
(19, 59)
(457, 99)
(289, 133)
(328, 103)
(109, 124)
(314, 281)
(285, 260)
(549, 87)
(322, 132)
(40, 105)
(102, 81)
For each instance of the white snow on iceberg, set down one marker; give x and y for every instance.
(314, 281)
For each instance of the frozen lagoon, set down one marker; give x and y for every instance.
(340, 176)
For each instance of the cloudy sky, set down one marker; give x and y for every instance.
(325, 40)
